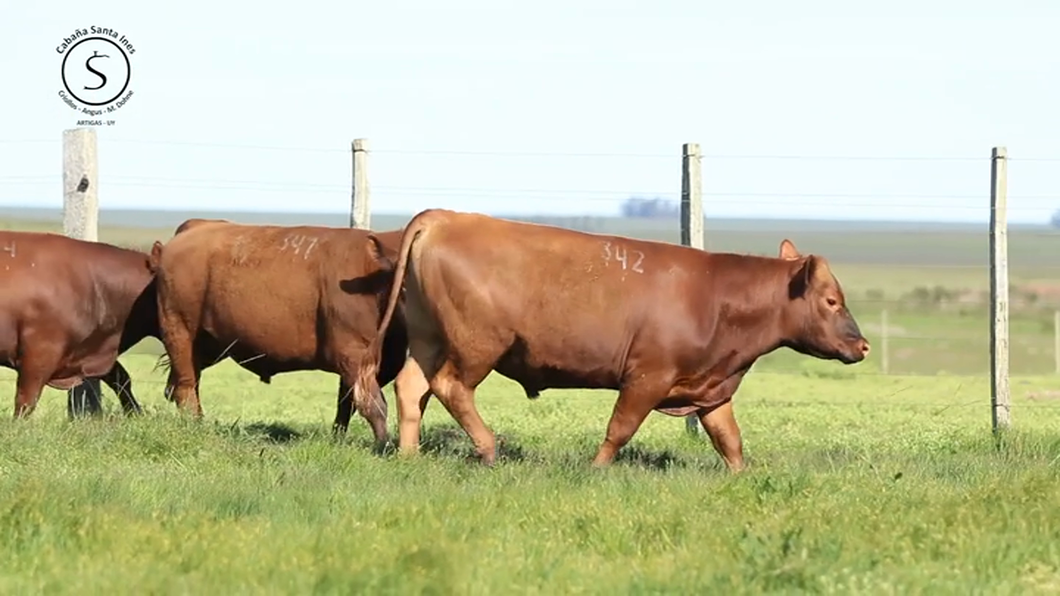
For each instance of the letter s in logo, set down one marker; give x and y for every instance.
(88, 65)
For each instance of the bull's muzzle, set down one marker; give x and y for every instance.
(858, 351)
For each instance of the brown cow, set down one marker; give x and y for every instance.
(673, 329)
(276, 299)
(68, 309)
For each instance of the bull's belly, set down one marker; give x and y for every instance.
(279, 339)
(264, 357)
(75, 370)
(37, 339)
(698, 393)
(680, 406)
(535, 378)
(265, 347)
(266, 366)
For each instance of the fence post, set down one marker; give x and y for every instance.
(885, 363)
(81, 220)
(692, 223)
(999, 337)
(360, 212)
(360, 217)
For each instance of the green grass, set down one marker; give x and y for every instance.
(857, 484)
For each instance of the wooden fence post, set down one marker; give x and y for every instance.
(360, 206)
(360, 217)
(81, 220)
(999, 338)
(692, 223)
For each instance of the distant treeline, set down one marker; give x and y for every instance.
(650, 216)
(655, 208)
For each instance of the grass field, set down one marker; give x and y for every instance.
(867, 484)
(859, 482)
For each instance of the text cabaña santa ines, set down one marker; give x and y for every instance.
(95, 69)
(96, 31)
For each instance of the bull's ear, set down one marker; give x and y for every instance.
(814, 272)
(377, 253)
(788, 250)
(155, 258)
(804, 277)
(820, 271)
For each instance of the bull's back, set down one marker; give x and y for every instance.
(264, 285)
(196, 222)
(33, 264)
(557, 289)
(240, 265)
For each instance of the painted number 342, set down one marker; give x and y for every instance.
(619, 253)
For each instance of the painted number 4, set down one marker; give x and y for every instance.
(620, 254)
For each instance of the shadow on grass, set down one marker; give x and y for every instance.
(636, 455)
(452, 441)
(271, 432)
(275, 433)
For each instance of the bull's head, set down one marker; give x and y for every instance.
(816, 320)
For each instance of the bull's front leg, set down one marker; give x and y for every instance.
(717, 418)
(29, 387)
(373, 408)
(343, 409)
(724, 433)
(37, 366)
(369, 402)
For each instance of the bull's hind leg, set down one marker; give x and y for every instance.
(635, 401)
(412, 395)
(184, 369)
(720, 424)
(412, 391)
(117, 378)
(456, 390)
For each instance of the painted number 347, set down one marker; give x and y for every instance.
(619, 253)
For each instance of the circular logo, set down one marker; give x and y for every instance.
(96, 71)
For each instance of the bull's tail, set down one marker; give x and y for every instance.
(164, 364)
(367, 384)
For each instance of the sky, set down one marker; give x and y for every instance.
(816, 109)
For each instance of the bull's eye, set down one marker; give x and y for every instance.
(832, 301)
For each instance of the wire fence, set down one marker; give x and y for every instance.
(325, 171)
(907, 235)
